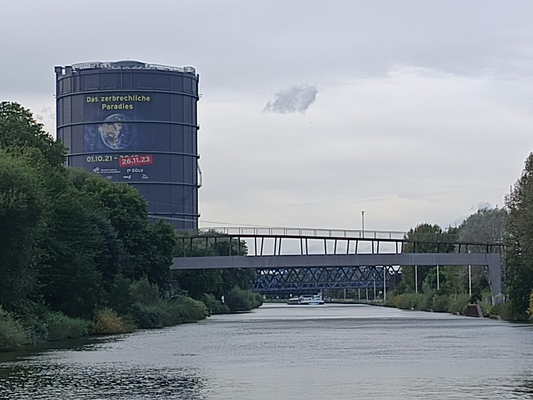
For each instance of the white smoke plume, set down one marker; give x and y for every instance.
(296, 98)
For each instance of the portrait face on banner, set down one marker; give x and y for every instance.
(116, 132)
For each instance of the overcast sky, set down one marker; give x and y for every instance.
(313, 111)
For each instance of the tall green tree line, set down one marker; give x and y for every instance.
(73, 241)
(65, 235)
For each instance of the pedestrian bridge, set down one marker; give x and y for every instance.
(289, 259)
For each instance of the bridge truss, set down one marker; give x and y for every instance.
(312, 280)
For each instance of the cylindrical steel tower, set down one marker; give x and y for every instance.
(135, 123)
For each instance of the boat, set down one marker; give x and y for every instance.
(311, 300)
(293, 301)
(307, 300)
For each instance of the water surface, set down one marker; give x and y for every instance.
(288, 352)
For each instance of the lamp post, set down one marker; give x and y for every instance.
(416, 278)
(363, 223)
(384, 285)
(469, 279)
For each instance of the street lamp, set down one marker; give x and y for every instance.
(363, 223)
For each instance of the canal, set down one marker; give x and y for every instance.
(287, 352)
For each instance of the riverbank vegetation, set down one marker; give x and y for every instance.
(451, 288)
(78, 255)
(510, 226)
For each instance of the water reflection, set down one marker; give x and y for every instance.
(28, 381)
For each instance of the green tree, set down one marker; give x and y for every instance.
(214, 281)
(241, 277)
(19, 132)
(111, 257)
(485, 226)
(71, 244)
(238, 300)
(148, 248)
(21, 210)
(425, 238)
(198, 282)
(126, 210)
(25, 151)
(519, 240)
(160, 244)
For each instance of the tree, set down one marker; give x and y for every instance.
(485, 226)
(519, 240)
(425, 238)
(21, 210)
(215, 281)
(126, 210)
(148, 248)
(198, 282)
(25, 150)
(111, 257)
(68, 238)
(71, 244)
(160, 243)
(19, 132)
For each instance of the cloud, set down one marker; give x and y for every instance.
(296, 98)
(480, 206)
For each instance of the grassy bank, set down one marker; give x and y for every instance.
(455, 304)
(144, 309)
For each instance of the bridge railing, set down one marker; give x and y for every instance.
(308, 232)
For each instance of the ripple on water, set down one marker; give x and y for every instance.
(103, 381)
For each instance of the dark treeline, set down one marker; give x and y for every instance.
(77, 253)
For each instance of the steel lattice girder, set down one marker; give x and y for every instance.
(279, 280)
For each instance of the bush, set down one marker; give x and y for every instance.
(170, 312)
(120, 296)
(406, 301)
(150, 311)
(148, 316)
(144, 292)
(32, 317)
(108, 322)
(238, 300)
(184, 309)
(213, 305)
(441, 303)
(504, 310)
(12, 334)
(257, 300)
(242, 300)
(459, 304)
(60, 327)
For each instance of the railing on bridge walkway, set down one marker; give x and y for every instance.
(306, 232)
